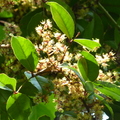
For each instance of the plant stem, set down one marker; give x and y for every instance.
(87, 108)
(109, 16)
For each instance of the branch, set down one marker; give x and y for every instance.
(109, 16)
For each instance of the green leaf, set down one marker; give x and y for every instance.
(42, 84)
(4, 95)
(34, 22)
(94, 28)
(62, 18)
(109, 89)
(2, 33)
(18, 106)
(83, 70)
(89, 87)
(7, 83)
(89, 44)
(47, 109)
(66, 6)
(44, 118)
(29, 89)
(25, 21)
(25, 52)
(92, 66)
(6, 14)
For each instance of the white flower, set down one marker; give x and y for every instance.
(56, 35)
(62, 37)
(39, 30)
(49, 23)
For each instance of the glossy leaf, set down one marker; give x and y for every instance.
(66, 6)
(25, 52)
(42, 84)
(18, 106)
(108, 89)
(29, 89)
(89, 87)
(62, 18)
(94, 28)
(45, 109)
(92, 66)
(7, 83)
(83, 70)
(89, 44)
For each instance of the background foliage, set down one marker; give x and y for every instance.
(59, 59)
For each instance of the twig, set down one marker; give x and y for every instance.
(109, 16)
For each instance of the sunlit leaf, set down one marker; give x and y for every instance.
(25, 52)
(18, 106)
(6, 14)
(89, 44)
(89, 87)
(83, 70)
(92, 66)
(7, 83)
(108, 89)
(47, 109)
(62, 18)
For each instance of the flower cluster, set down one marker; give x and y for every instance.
(105, 74)
(104, 59)
(109, 76)
(70, 94)
(52, 46)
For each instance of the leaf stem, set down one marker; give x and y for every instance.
(109, 16)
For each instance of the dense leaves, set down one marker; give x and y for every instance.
(108, 89)
(65, 75)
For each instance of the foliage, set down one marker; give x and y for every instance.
(59, 59)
